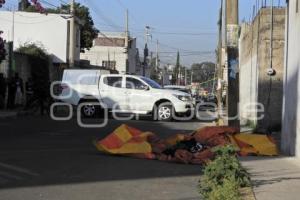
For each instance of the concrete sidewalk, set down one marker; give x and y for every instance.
(274, 178)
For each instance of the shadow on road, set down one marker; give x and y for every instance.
(36, 151)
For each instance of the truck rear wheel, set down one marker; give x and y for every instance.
(90, 109)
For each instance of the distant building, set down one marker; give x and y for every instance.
(290, 137)
(51, 31)
(109, 50)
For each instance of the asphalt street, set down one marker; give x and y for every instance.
(45, 159)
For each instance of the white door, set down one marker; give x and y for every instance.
(138, 95)
(112, 92)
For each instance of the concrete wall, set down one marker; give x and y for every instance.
(255, 85)
(21, 65)
(51, 31)
(290, 138)
(248, 72)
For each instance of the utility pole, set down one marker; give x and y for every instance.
(232, 29)
(179, 73)
(146, 51)
(157, 59)
(271, 36)
(127, 40)
(220, 64)
(177, 70)
(126, 29)
(72, 34)
(13, 26)
(185, 76)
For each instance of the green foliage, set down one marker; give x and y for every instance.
(229, 190)
(251, 124)
(224, 174)
(2, 49)
(88, 30)
(39, 63)
(32, 49)
(203, 72)
(154, 73)
(176, 69)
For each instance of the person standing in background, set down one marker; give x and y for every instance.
(2, 91)
(29, 92)
(15, 90)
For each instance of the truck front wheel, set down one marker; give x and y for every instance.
(164, 112)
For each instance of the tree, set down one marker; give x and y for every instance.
(176, 69)
(23, 4)
(153, 72)
(88, 31)
(203, 73)
(1, 3)
(39, 63)
(2, 49)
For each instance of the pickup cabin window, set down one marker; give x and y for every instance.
(114, 81)
(88, 80)
(132, 83)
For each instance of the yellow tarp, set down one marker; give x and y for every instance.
(258, 144)
(125, 140)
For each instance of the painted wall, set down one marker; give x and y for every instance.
(51, 31)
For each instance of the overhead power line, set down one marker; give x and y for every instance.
(49, 4)
(64, 2)
(101, 16)
(184, 33)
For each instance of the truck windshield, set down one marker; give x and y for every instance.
(151, 82)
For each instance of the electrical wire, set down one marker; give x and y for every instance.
(49, 4)
(101, 16)
(63, 2)
(184, 33)
(18, 22)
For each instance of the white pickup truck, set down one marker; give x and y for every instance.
(122, 94)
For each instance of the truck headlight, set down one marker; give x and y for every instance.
(183, 98)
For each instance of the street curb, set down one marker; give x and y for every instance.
(8, 115)
(13, 115)
(247, 193)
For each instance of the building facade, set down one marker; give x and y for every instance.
(110, 50)
(51, 31)
(290, 138)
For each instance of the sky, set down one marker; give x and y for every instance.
(187, 26)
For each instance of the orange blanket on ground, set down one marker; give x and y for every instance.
(194, 148)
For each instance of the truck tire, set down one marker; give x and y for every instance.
(164, 112)
(90, 110)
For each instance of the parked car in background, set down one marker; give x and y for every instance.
(179, 88)
(211, 98)
(196, 98)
